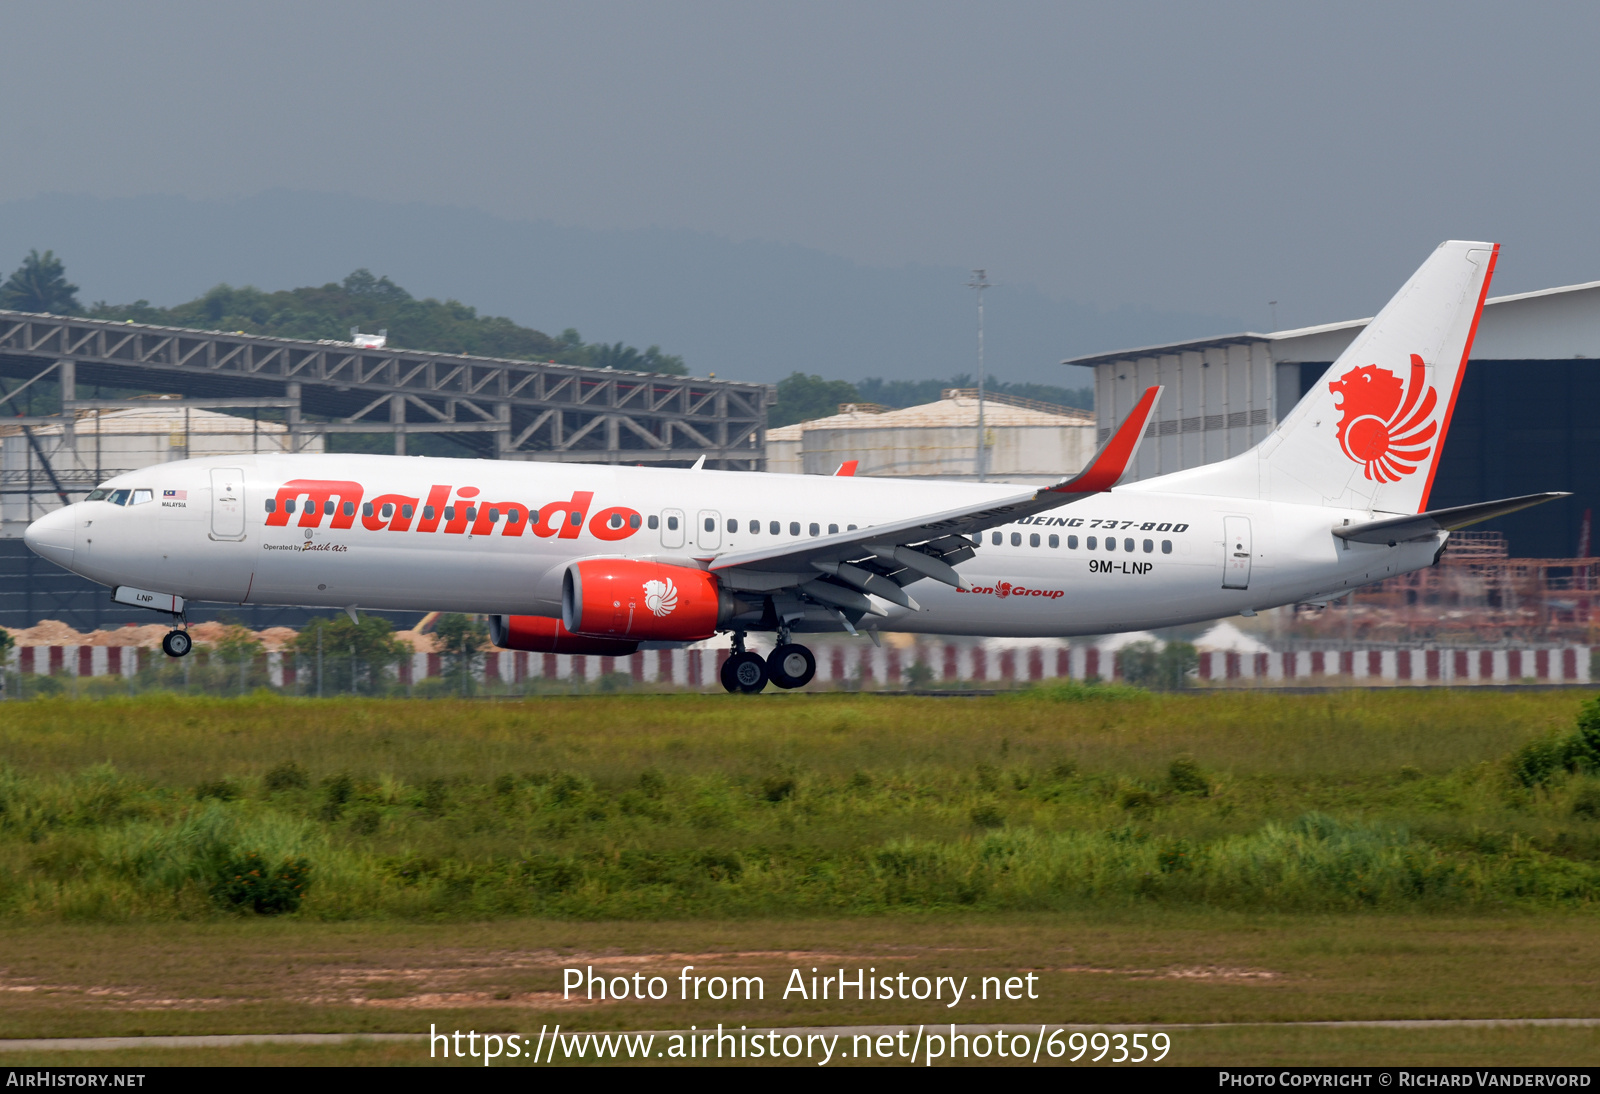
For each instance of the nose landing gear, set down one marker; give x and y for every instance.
(176, 642)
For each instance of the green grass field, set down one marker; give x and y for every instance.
(1160, 858)
(689, 806)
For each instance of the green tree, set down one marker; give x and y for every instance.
(663, 364)
(40, 285)
(899, 393)
(802, 398)
(1080, 397)
(619, 356)
(356, 657)
(373, 303)
(1160, 668)
(6, 642)
(462, 638)
(1582, 751)
(237, 650)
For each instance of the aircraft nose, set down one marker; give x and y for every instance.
(52, 537)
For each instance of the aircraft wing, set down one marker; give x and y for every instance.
(835, 570)
(1398, 529)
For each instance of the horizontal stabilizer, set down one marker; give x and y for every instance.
(1398, 529)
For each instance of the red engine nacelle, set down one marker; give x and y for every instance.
(537, 634)
(627, 598)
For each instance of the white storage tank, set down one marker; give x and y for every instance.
(109, 442)
(1028, 442)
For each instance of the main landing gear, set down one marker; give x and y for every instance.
(791, 666)
(788, 666)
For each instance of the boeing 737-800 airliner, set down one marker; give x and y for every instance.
(596, 559)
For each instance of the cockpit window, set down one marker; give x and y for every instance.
(140, 497)
(119, 497)
(97, 495)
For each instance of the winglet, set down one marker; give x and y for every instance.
(1112, 461)
(847, 469)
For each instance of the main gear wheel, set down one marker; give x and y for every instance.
(745, 672)
(791, 666)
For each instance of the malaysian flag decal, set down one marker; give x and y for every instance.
(176, 495)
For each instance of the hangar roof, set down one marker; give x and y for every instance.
(1551, 324)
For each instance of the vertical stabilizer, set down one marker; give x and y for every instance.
(1370, 433)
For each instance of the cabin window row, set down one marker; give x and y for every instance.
(1091, 543)
(775, 527)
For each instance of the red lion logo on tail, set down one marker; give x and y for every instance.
(1384, 424)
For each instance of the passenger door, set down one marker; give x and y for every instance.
(227, 503)
(1236, 553)
(708, 530)
(672, 527)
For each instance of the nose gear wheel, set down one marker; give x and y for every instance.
(176, 643)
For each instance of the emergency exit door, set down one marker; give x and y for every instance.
(1236, 553)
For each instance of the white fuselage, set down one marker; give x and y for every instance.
(205, 534)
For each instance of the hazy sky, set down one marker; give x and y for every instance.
(1204, 157)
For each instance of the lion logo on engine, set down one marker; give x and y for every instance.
(1384, 423)
(661, 597)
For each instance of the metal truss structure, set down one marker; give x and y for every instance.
(517, 410)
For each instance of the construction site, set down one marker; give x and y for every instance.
(1477, 595)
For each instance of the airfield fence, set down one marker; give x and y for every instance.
(852, 665)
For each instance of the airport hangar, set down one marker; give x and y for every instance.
(504, 409)
(1527, 418)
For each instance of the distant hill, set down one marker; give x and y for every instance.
(377, 305)
(745, 310)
